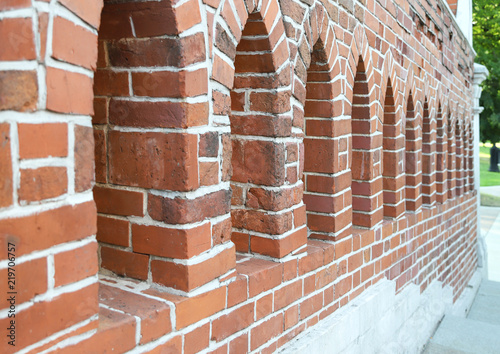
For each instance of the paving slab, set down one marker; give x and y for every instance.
(489, 288)
(488, 215)
(465, 335)
(486, 306)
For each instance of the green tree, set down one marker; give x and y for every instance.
(486, 31)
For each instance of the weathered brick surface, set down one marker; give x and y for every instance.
(335, 135)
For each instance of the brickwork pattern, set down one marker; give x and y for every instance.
(257, 166)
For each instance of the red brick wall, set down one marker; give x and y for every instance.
(261, 163)
(47, 58)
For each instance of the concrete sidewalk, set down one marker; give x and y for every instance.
(492, 190)
(478, 333)
(490, 230)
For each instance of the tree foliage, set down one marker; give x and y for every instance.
(486, 30)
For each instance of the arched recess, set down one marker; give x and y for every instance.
(466, 156)
(393, 141)
(366, 128)
(316, 86)
(392, 159)
(428, 155)
(451, 157)
(413, 144)
(163, 211)
(459, 157)
(251, 66)
(470, 155)
(441, 154)
(412, 161)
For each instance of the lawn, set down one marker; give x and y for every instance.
(487, 178)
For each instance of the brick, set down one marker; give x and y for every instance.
(18, 40)
(111, 83)
(42, 140)
(18, 90)
(209, 144)
(235, 321)
(157, 114)
(183, 211)
(171, 243)
(222, 72)
(74, 44)
(150, 19)
(260, 198)
(256, 220)
(209, 173)
(224, 42)
(189, 310)
(150, 52)
(258, 162)
(270, 102)
(221, 232)
(262, 275)
(267, 330)
(312, 261)
(154, 315)
(291, 316)
(113, 231)
(6, 177)
(263, 306)
(173, 345)
(227, 169)
(189, 277)
(222, 103)
(237, 291)
(197, 340)
(239, 344)
(90, 12)
(100, 111)
(170, 160)
(311, 306)
(33, 277)
(14, 4)
(342, 287)
(261, 125)
(75, 265)
(324, 152)
(43, 183)
(279, 248)
(69, 92)
(84, 158)
(287, 294)
(119, 201)
(125, 263)
(100, 158)
(157, 83)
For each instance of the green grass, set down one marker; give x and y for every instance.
(487, 178)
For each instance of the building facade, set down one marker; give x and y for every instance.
(224, 175)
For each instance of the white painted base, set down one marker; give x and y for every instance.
(379, 321)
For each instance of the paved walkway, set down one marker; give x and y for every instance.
(493, 190)
(490, 230)
(478, 333)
